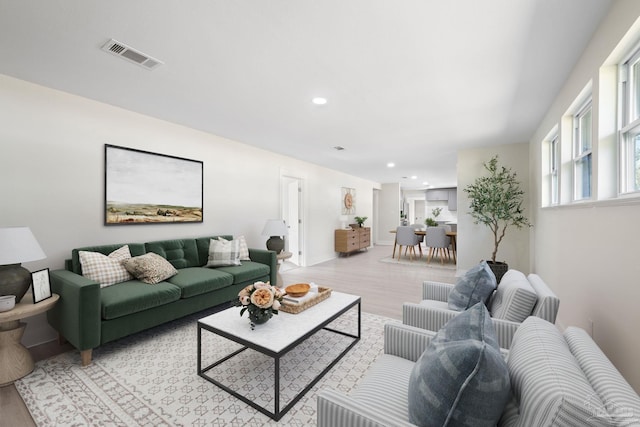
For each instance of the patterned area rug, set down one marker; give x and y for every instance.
(150, 379)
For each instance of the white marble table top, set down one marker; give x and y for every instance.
(282, 329)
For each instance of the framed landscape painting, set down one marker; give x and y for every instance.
(149, 188)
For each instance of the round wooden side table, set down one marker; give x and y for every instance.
(15, 359)
(281, 257)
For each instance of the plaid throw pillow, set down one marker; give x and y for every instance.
(105, 269)
(223, 253)
(243, 248)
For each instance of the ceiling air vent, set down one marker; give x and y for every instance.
(130, 54)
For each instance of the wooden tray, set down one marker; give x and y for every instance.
(295, 308)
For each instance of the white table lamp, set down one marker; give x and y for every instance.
(17, 245)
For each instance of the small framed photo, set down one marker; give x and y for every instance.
(41, 285)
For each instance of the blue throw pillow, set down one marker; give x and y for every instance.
(461, 378)
(475, 286)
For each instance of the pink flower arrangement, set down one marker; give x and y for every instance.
(261, 300)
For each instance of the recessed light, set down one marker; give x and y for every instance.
(425, 183)
(414, 177)
(391, 165)
(319, 100)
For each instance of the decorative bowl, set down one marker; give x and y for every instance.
(7, 302)
(297, 290)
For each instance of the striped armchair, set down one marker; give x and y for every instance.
(556, 380)
(517, 297)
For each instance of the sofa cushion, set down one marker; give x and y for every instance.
(547, 381)
(475, 286)
(514, 299)
(134, 296)
(247, 271)
(461, 378)
(105, 269)
(150, 268)
(388, 375)
(181, 253)
(194, 281)
(223, 253)
(242, 247)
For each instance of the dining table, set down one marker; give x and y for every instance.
(423, 232)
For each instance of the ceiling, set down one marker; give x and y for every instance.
(409, 82)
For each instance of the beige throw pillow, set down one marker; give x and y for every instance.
(150, 268)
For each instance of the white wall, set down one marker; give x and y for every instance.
(588, 253)
(52, 167)
(475, 241)
(388, 212)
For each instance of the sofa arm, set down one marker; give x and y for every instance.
(505, 330)
(266, 257)
(335, 409)
(405, 341)
(437, 291)
(76, 315)
(429, 318)
(432, 319)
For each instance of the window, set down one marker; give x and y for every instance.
(554, 167)
(582, 156)
(630, 124)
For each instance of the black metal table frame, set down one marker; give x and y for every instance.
(277, 413)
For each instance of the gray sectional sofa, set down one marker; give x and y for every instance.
(88, 315)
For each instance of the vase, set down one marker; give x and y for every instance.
(258, 317)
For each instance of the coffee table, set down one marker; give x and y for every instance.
(276, 338)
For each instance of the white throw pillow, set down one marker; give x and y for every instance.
(105, 269)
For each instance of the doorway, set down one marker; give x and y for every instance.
(292, 214)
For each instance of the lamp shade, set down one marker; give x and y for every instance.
(18, 245)
(275, 227)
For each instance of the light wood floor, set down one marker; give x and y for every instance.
(382, 286)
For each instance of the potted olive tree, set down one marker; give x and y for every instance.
(496, 201)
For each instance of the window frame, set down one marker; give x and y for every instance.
(583, 152)
(628, 142)
(554, 169)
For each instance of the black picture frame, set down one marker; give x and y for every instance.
(41, 285)
(142, 187)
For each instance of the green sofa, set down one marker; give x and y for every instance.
(87, 315)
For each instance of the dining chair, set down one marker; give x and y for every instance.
(406, 236)
(418, 226)
(438, 243)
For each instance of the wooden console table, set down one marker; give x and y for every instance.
(15, 359)
(347, 241)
